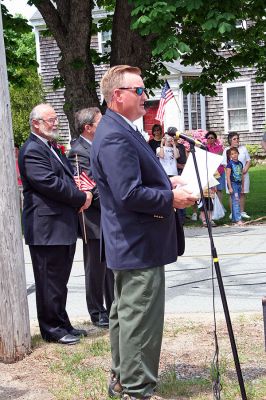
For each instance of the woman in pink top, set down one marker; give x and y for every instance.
(214, 146)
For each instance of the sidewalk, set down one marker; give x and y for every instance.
(241, 253)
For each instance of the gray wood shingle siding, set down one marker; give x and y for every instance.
(49, 56)
(215, 110)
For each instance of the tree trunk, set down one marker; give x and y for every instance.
(14, 316)
(70, 24)
(128, 47)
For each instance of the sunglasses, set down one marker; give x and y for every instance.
(138, 90)
(210, 137)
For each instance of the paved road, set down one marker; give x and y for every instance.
(189, 284)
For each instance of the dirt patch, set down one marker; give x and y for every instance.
(188, 349)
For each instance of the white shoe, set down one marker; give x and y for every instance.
(194, 217)
(230, 216)
(245, 215)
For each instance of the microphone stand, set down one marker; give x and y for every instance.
(220, 282)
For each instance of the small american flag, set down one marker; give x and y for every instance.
(83, 182)
(166, 95)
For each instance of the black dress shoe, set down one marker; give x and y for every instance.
(69, 339)
(78, 332)
(102, 322)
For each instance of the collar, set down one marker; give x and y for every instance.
(86, 140)
(128, 121)
(45, 141)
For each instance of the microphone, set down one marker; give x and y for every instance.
(189, 139)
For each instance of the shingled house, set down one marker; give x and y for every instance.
(238, 106)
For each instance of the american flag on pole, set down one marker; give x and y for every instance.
(166, 95)
(83, 182)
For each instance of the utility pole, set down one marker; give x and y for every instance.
(15, 339)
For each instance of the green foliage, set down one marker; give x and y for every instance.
(195, 31)
(253, 150)
(23, 99)
(58, 82)
(24, 83)
(19, 46)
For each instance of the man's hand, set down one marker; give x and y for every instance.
(176, 181)
(183, 198)
(87, 202)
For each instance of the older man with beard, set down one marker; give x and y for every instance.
(50, 222)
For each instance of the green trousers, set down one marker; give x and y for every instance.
(136, 328)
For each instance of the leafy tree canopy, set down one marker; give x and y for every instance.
(24, 83)
(23, 99)
(216, 35)
(149, 32)
(19, 46)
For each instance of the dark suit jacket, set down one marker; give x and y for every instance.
(92, 215)
(51, 198)
(138, 218)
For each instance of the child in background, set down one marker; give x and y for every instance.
(208, 195)
(168, 154)
(235, 182)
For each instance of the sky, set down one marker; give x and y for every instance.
(19, 7)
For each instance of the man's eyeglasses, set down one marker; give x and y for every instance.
(138, 90)
(210, 137)
(49, 120)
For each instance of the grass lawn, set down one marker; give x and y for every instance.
(255, 199)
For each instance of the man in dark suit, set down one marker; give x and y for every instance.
(99, 280)
(138, 204)
(50, 221)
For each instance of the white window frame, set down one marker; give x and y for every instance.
(202, 111)
(100, 42)
(239, 83)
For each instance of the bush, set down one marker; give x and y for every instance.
(23, 99)
(253, 150)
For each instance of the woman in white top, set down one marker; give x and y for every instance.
(168, 154)
(244, 157)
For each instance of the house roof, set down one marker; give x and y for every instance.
(36, 15)
(176, 67)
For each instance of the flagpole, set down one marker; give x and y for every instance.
(82, 212)
(166, 95)
(174, 97)
(177, 104)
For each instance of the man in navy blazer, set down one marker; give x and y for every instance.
(138, 204)
(50, 222)
(99, 281)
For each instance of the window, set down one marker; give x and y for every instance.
(237, 107)
(104, 45)
(194, 111)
